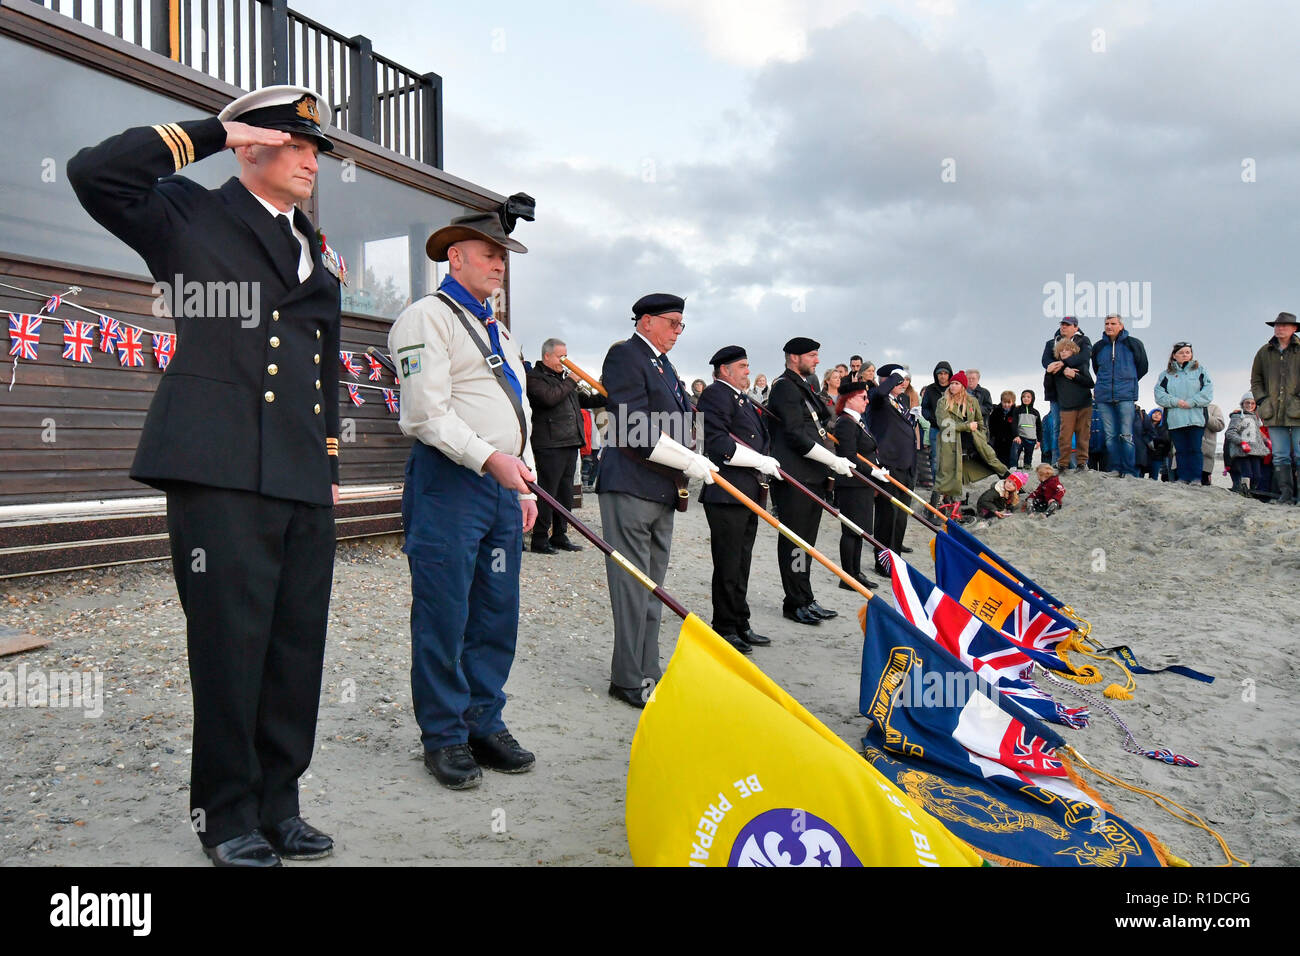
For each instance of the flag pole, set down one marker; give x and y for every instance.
(657, 590)
(752, 505)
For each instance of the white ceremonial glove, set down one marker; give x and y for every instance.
(915, 413)
(823, 456)
(880, 473)
(746, 457)
(673, 454)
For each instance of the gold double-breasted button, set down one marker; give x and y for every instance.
(275, 316)
(316, 409)
(275, 341)
(272, 369)
(316, 359)
(318, 385)
(269, 396)
(318, 333)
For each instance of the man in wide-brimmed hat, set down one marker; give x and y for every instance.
(242, 436)
(1275, 383)
(465, 506)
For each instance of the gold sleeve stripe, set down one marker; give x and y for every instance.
(186, 143)
(166, 138)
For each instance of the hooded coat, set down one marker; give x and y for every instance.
(956, 469)
(1119, 365)
(931, 394)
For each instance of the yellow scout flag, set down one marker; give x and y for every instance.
(728, 769)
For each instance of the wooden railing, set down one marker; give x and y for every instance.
(256, 43)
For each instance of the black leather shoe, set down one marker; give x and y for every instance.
(296, 839)
(738, 642)
(757, 640)
(881, 572)
(564, 544)
(502, 753)
(542, 547)
(865, 581)
(824, 613)
(247, 849)
(628, 695)
(454, 767)
(904, 549)
(801, 615)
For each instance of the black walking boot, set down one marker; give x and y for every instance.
(1283, 485)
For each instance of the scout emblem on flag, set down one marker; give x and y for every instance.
(375, 368)
(390, 399)
(78, 340)
(24, 335)
(164, 347)
(355, 395)
(349, 366)
(109, 333)
(130, 347)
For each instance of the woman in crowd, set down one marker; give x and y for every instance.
(960, 427)
(1244, 444)
(759, 390)
(1184, 390)
(830, 393)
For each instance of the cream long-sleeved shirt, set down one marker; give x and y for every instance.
(451, 399)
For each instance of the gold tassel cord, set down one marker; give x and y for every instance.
(1093, 674)
(1164, 803)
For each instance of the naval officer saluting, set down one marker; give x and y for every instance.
(242, 435)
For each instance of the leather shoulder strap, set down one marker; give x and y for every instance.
(495, 362)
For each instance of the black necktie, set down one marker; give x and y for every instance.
(293, 246)
(667, 368)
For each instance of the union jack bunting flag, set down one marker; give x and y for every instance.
(349, 366)
(24, 335)
(52, 303)
(78, 340)
(164, 346)
(130, 346)
(109, 333)
(390, 399)
(355, 395)
(375, 367)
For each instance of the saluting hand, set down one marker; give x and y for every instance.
(241, 134)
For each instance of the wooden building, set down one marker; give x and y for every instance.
(76, 72)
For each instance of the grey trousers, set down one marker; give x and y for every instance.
(642, 531)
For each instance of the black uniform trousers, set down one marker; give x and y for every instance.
(254, 575)
(801, 515)
(858, 505)
(555, 469)
(891, 520)
(732, 529)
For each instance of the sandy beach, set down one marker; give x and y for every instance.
(1188, 574)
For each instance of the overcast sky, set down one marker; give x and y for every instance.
(897, 179)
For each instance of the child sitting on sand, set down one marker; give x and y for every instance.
(1048, 497)
(1001, 497)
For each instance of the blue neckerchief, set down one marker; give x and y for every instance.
(483, 312)
(458, 292)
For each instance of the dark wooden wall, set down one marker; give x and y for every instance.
(98, 409)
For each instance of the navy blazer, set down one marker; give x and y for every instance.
(801, 419)
(894, 431)
(727, 413)
(644, 400)
(854, 440)
(249, 404)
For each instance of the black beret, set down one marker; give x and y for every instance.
(727, 354)
(657, 303)
(892, 382)
(885, 371)
(851, 388)
(799, 345)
